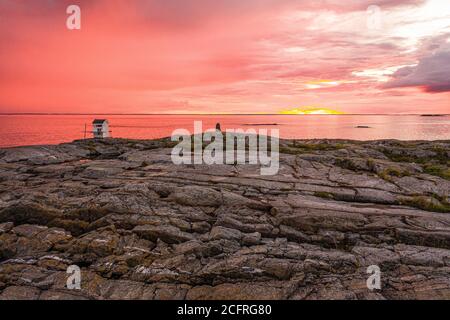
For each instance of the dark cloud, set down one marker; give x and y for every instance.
(432, 72)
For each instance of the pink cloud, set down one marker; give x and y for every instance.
(192, 55)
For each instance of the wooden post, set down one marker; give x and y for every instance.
(85, 131)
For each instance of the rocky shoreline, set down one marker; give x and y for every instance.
(140, 227)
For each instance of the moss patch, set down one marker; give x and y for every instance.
(324, 195)
(390, 172)
(437, 170)
(403, 155)
(427, 204)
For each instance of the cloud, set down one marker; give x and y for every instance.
(431, 73)
(355, 5)
(195, 55)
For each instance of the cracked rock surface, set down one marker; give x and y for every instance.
(140, 227)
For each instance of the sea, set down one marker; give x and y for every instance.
(21, 130)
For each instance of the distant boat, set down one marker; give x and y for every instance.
(363, 127)
(432, 115)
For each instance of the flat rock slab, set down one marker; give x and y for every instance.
(140, 227)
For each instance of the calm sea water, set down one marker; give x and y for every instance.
(17, 130)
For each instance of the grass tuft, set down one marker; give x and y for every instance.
(437, 170)
(324, 195)
(427, 204)
(390, 172)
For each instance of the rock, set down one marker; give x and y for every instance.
(168, 234)
(437, 239)
(8, 246)
(95, 172)
(218, 233)
(376, 256)
(423, 256)
(375, 196)
(100, 244)
(5, 227)
(27, 214)
(58, 295)
(238, 291)
(20, 293)
(293, 235)
(197, 196)
(251, 239)
(140, 227)
(28, 231)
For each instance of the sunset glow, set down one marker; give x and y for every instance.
(225, 56)
(310, 110)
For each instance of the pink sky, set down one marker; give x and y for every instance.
(225, 56)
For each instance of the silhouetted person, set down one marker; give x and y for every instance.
(218, 127)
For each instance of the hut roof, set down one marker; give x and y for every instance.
(99, 121)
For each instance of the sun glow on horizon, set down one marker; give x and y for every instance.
(311, 110)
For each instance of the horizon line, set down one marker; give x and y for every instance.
(220, 114)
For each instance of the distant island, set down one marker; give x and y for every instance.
(260, 124)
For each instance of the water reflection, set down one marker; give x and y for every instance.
(29, 130)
